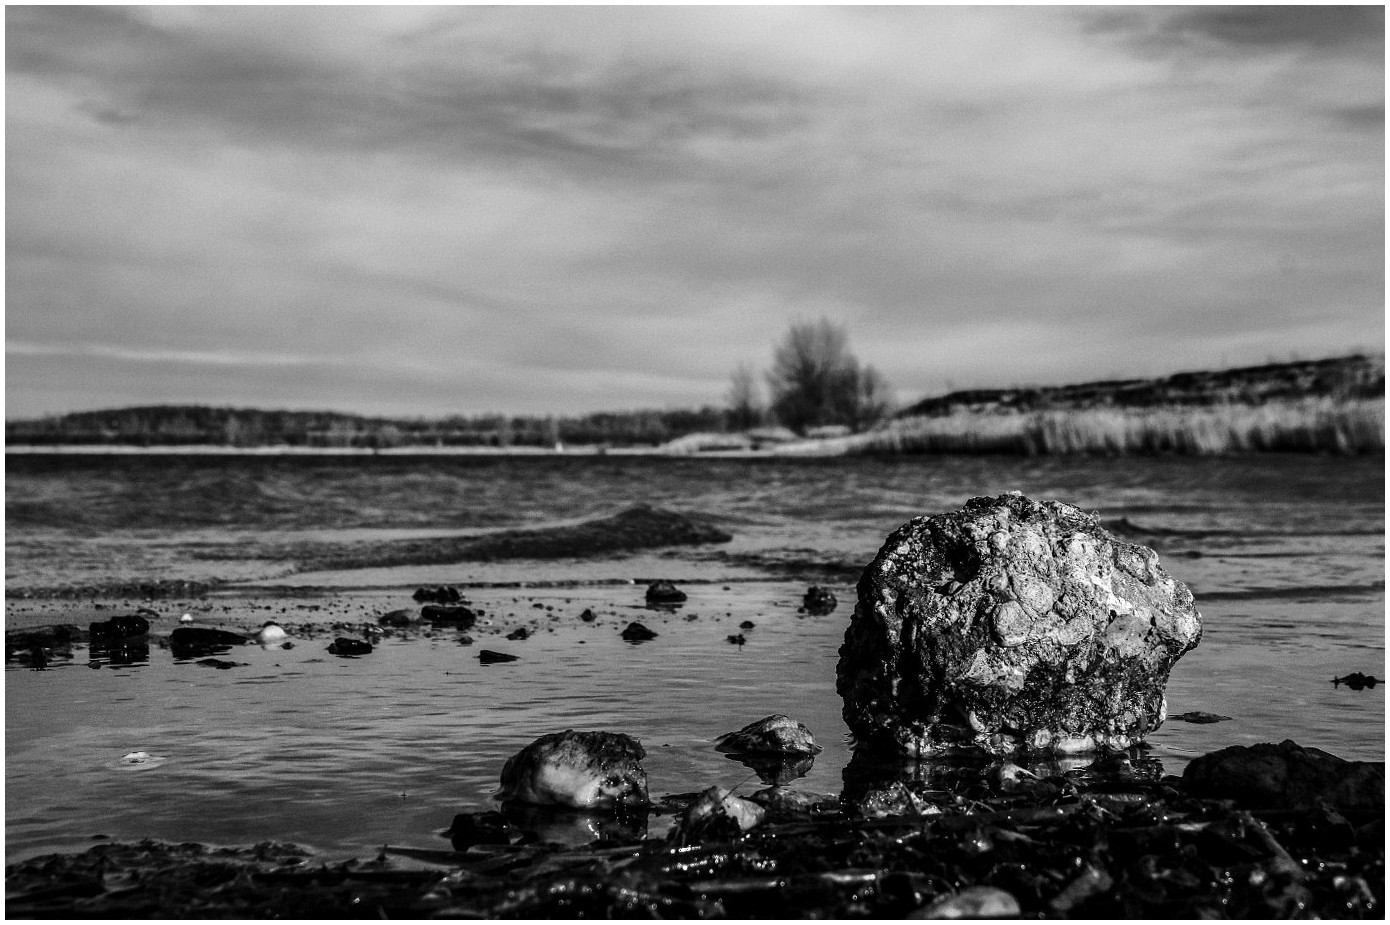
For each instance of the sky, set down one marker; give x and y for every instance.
(426, 211)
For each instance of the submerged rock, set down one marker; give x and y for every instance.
(1011, 625)
(1288, 775)
(580, 770)
(777, 734)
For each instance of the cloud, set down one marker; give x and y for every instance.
(444, 209)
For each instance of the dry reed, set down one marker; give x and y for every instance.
(1307, 425)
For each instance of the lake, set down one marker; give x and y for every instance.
(1284, 554)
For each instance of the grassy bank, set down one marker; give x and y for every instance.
(1305, 425)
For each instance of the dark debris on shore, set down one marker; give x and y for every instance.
(1131, 849)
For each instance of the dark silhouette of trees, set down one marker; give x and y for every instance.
(815, 380)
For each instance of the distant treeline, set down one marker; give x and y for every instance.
(1355, 376)
(185, 425)
(1336, 404)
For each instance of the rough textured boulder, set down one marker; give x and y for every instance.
(1288, 775)
(1011, 625)
(579, 770)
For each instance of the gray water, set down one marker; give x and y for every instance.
(1285, 557)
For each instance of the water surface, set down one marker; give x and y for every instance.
(1285, 557)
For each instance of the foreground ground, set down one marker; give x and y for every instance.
(1103, 843)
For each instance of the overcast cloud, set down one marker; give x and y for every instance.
(445, 210)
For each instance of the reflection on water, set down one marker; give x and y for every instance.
(347, 754)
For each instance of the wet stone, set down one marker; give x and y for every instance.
(664, 592)
(1011, 625)
(579, 770)
(818, 601)
(343, 646)
(637, 632)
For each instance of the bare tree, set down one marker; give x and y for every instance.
(815, 380)
(745, 405)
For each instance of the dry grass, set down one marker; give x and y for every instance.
(1308, 425)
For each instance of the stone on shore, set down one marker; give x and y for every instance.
(777, 734)
(343, 646)
(579, 770)
(819, 601)
(117, 628)
(1287, 776)
(664, 592)
(637, 632)
(452, 614)
(1011, 625)
(716, 815)
(191, 641)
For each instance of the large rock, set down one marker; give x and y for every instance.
(1011, 625)
(1288, 775)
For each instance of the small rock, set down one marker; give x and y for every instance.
(819, 601)
(975, 902)
(139, 761)
(1199, 717)
(747, 625)
(188, 641)
(454, 615)
(780, 801)
(1356, 681)
(588, 616)
(636, 632)
(737, 640)
(485, 828)
(489, 657)
(218, 663)
(118, 628)
(1286, 776)
(1007, 777)
(894, 799)
(777, 734)
(717, 815)
(342, 646)
(445, 594)
(580, 770)
(519, 633)
(664, 592)
(396, 618)
(271, 633)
